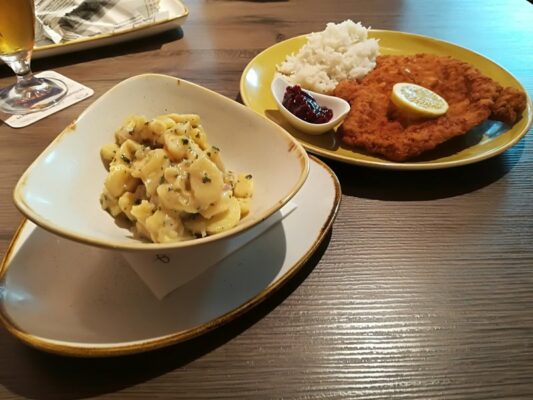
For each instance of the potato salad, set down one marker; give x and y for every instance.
(169, 183)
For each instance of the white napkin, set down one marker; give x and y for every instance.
(164, 272)
(76, 92)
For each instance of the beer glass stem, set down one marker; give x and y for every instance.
(19, 62)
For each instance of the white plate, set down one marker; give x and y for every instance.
(177, 13)
(67, 298)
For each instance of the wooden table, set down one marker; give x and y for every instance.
(424, 289)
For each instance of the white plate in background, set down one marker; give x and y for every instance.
(177, 14)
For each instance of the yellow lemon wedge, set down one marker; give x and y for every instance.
(418, 101)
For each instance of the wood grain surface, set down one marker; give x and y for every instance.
(422, 290)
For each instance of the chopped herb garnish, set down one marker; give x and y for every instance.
(161, 180)
(249, 176)
(206, 179)
(125, 159)
(185, 141)
(197, 136)
(215, 148)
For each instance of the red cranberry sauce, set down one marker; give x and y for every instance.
(304, 106)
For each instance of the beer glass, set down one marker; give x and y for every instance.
(17, 37)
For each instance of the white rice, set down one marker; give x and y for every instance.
(341, 51)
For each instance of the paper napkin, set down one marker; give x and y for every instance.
(164, 272)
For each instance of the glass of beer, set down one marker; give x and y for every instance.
(17, 37)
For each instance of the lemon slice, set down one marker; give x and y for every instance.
(417, 100)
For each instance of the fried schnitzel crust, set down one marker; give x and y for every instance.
(375, 125)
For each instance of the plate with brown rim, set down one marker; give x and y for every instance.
(72, 299)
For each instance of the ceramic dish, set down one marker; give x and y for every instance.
(338, 106)
(63, 297)
(485, 141)
(176, 15)
(60, 191)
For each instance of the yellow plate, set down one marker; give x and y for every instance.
(485, 141)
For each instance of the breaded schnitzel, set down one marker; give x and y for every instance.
(375, 125)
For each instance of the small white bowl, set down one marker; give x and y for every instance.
(340, 108)
(60, 191)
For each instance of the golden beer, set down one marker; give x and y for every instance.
(17, 31)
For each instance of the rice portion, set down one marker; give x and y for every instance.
(341, 51)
